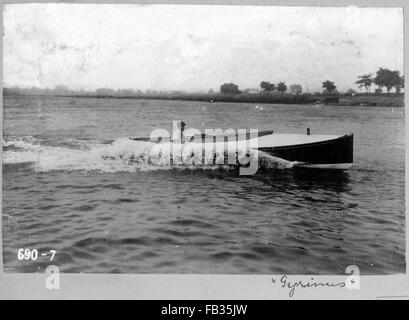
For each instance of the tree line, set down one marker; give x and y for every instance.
(383, 78)
(281, 87)
(265, 86)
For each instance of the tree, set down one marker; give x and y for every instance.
(387, 78)
(350, 92)
(229, 88)
(281, 87)
(400, 84)
(365, 81)
(267, 86)
(329, 86)
(295, 89)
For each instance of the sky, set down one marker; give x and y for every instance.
(196, 47)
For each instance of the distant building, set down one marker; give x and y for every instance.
(105, 92)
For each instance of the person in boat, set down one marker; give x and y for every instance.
(178, 132)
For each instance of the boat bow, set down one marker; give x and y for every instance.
(311, 151)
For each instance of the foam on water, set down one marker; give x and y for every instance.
(122, 155)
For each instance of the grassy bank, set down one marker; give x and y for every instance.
(371, 100)
(384, 100)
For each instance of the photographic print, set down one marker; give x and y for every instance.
(203, 139)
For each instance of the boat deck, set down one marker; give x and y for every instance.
(282, 139)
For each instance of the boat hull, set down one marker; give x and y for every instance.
(305, 151)
(329, 154)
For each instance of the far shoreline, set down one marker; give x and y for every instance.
(358, 100)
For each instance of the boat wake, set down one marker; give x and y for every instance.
(121, 155)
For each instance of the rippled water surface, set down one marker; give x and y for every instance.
(73, 182)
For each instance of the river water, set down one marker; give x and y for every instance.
(71, 184)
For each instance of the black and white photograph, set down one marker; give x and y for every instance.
(203, 139)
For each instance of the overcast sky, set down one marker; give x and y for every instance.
(180, 47)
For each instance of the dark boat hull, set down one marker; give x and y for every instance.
(336, 153)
